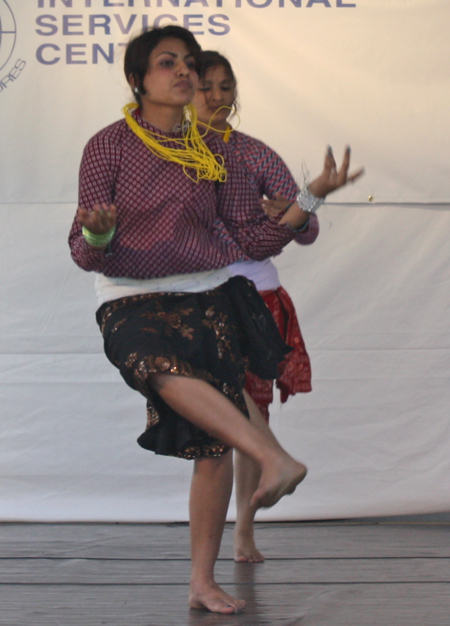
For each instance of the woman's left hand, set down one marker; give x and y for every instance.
(331, 178)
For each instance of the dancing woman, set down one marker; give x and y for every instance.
(180, 330)
(215, 102)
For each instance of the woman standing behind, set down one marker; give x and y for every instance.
(215, 99)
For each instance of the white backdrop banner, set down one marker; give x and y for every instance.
(372, 294)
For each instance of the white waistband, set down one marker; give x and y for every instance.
(110, 288)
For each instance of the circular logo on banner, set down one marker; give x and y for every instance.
(7, 33)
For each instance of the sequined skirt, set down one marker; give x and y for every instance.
(214, 336)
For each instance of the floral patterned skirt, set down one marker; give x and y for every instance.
(294, 373)
(213, 336)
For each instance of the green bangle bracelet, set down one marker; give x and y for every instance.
(98, 241)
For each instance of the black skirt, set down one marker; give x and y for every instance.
(214, 336)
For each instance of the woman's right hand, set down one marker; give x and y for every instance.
(100, 220)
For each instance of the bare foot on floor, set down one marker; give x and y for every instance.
(277, 480)
(245, 551)
(211, 597)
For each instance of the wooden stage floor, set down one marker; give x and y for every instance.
(357, 573)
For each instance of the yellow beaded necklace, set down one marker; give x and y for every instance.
(193, 153)
(225, 133)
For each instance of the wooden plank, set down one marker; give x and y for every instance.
(83, 540)
(284, 572)
(267, 605)
(294, 540)
(332, 574)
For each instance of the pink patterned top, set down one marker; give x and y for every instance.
(167, 223)
(269, 174)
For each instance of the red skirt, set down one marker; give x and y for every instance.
(294, 373)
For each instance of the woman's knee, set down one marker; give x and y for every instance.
(214, 464)
(162, 383)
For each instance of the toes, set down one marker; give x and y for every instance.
(250, 556)
(240, 606)
(222, 603)
(214, 607)
(225, 609)
(233, 606)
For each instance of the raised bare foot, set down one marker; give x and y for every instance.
(278, 479)
(211, 597)
(245, 550)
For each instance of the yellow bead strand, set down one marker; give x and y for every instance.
(193, 153)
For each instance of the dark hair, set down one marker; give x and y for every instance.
(139, 49)
(210, 59)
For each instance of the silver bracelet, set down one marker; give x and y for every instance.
(307, 202)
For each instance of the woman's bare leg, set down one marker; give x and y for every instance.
(204, 406)
(209, 409)
(247, 475)
(211, 486)
(247, 480)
